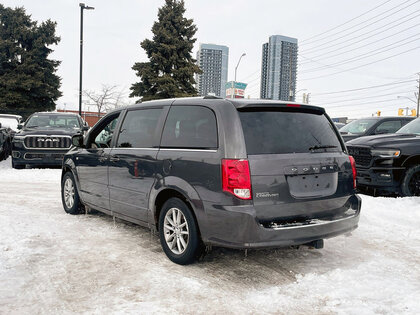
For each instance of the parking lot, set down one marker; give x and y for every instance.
(52, 262)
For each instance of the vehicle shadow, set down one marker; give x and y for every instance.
(256, 268)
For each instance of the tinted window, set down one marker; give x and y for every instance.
(358, 126)
(412, 127)
(190, 127)
(53, 121)
(388, 126)
(139, 129)
(274, 132)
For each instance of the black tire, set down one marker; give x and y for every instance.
(18, 166)
(3, 155)
(410, 185)
(194, 247)
(74, 207)
(5, 150)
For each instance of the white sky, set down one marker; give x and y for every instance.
(113, 31)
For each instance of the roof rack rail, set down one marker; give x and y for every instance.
(212, 97)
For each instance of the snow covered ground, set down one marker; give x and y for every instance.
(51, 262)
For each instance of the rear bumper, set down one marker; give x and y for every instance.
(238, 227)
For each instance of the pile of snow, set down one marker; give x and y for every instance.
(51, 262)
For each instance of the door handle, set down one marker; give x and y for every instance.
(114, 158)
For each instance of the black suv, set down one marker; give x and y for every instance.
(373, 126)
(389, 164)
(234, 173)
(44, 139)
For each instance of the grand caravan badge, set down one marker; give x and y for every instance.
(266, 194)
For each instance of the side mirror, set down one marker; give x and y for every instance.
(77, 141)
(20, 126)
(85, 128)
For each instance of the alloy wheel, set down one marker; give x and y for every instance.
(176, 231)
(69, 193)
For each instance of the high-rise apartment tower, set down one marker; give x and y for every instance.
(278, 68)
(213, 61)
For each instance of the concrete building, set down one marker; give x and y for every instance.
(213, 61)
(278, 68)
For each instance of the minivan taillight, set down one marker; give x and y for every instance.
(353, 168)
(236, 178)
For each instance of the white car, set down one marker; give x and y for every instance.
(10, 121)
(8, 128)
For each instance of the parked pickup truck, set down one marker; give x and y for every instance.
(389, 164)
(373, 126)
(45, 138)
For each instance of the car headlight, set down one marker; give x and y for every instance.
(386, 153)
(18, 138)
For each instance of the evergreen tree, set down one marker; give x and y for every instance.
(28, 82)
(171, 68)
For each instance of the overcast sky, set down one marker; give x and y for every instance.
(390, 31)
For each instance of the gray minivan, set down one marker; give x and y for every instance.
(209, 171)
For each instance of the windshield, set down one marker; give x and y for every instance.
(358, 126)
(53, 121)
(9, 123)
(277, 132)
(411, 127)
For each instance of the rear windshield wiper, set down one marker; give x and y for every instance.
(317, 147)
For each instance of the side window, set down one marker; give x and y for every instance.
(405, 122)
(190, 127)
(139, 129)
(388, 127)
(103, 136)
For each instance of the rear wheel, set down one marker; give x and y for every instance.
(178, 232)
(5, 150)
(3, 154)
(69, 195)
(411, 183)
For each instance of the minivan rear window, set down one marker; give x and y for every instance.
(277, 132)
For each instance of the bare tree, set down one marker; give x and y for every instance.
(108, 98)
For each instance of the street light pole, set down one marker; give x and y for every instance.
(82, 7)
(418, 95)
(236, 68)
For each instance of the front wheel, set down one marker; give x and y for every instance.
(178, 232)
(69, 195)
(411, 183)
